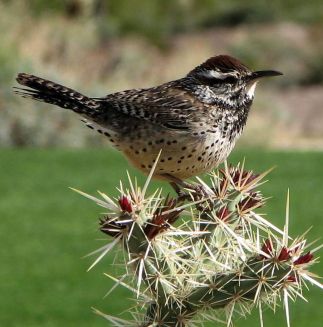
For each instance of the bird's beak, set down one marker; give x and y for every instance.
(255, 77)
(264, 73)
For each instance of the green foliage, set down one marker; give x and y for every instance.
(39, 7)
(314, 69)
(157, 20)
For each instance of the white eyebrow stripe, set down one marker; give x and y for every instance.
(219, 75)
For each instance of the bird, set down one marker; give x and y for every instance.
(194, 121)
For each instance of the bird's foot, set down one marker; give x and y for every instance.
(182, 196)
(187, 191)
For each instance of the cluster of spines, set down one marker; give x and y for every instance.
(187, 259)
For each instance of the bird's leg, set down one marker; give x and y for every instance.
(199, 194)
(178, 185)
(176, 188)
(182, 195)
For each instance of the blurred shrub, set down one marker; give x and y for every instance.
(157, 20)
(8, 59)
(39, 7)
(314, 70)
(295, 50)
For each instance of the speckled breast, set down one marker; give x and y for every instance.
(182, 155)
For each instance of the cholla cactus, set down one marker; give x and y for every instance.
(205, 257)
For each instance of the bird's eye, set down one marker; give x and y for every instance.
(215, 82)
(230, 80)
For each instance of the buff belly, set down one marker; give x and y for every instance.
(181, 159)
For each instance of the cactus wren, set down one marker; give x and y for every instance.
(195, 120)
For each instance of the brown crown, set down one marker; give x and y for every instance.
(224, 63)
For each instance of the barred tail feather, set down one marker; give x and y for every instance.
(53, 93)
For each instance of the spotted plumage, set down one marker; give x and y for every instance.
(194, 120)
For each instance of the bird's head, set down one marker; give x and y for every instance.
(228, 78)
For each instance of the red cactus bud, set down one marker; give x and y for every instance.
(292, 278)
(249, 177)
(284, 254)
(223, 213)
(267, 248)
(249, 203)
(161, 220)
(223, 187)
(295, 249)
(242, 177)
(110, 227)
(125, 204)
(157, 226)
(306, 258)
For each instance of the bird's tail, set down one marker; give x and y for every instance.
(53, 93)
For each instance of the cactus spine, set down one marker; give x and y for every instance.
(206, 257)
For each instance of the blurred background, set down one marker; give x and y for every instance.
(103, 46)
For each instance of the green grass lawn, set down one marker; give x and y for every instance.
(46, 229)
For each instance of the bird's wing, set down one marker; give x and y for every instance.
(169, 107)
